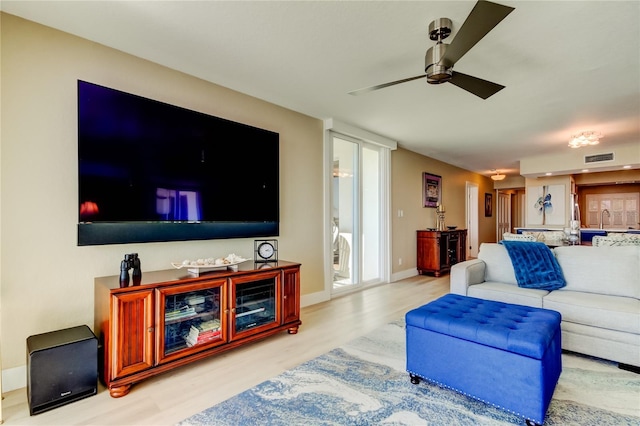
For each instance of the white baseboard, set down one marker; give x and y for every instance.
(407, 273)
(14, 378)
(313, 298)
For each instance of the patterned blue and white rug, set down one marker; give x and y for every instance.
(365, 383)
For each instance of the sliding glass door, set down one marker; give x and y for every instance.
(356, 213)
(371, 225)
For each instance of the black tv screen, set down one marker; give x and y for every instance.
(150, 171)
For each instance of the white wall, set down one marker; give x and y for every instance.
(46, 280)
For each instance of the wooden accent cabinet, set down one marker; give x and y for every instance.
(173, 318)
(439, 250)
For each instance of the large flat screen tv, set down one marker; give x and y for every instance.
(150, 171)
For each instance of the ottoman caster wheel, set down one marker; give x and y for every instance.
(531, 423)
(414, 379)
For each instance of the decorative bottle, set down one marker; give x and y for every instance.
(574, 223)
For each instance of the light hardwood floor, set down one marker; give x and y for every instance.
(174, 396)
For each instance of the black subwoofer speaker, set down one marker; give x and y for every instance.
(62, 367)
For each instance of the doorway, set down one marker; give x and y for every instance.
(503, 214)
(472, 220)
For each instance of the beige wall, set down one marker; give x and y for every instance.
(1, 389)
(46, 279)
(406, 195)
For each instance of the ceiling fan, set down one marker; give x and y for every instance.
(440, 59)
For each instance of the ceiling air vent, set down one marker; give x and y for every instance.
(598, 158)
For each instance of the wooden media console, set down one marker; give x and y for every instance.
(172, 318)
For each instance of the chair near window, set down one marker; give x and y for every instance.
(344, 257)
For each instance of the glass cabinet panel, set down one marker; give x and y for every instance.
(256, 303)
(191, 318)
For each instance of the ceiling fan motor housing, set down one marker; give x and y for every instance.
(436, 73)
(439, 29)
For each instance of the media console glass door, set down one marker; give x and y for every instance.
(255, 304)
(192, 318)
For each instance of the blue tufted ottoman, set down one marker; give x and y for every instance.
(503, 354)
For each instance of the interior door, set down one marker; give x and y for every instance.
(471, 248)
(503, 214)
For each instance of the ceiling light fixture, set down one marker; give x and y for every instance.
(588, 137)
(497, 176)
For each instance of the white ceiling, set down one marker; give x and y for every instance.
(567, 65)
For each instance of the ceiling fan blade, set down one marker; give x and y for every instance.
(382, 86)
(482, 19)
(477, 86)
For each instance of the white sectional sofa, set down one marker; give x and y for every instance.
(600, 304)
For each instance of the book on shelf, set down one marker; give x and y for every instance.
(207, 336)
(213, 324)
(194, 300)
(183, 312)
(203, 332)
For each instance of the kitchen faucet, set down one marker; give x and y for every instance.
(602, 216)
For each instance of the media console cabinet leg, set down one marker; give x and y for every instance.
(119, 391)
(172, 318)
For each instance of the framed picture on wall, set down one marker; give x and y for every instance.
(488, 204)
(431, 189)
(546, 205)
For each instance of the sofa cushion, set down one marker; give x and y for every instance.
(597, 310)
(613, 337)
(601, 342)
(507, 293)
(612, 271)
(498, 263)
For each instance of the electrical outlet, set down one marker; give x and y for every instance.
(399, 261)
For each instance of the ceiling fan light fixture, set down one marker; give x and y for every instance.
(497, 176)
(585, 138)
(439, 75)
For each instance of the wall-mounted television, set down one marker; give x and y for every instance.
(149, 171)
